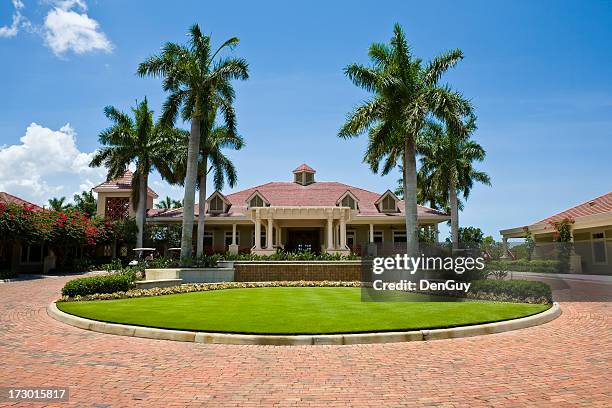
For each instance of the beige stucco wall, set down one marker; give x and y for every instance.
(583, 246)
(102, 201)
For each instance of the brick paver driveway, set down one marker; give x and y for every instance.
(567, 362)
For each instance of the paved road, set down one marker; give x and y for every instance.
(565, 363)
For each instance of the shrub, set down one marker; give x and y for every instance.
(290, 256)
(524, 265)
(116, 282)
(511, 290)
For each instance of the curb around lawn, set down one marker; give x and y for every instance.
(305, 340)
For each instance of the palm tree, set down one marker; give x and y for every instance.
(168, 203)
(141, 141)
(406, 94)
(212, 142)
(196, 80)
(447, 166)
(86, 202)
(59, 204)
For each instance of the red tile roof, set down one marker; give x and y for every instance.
(304, 167)
(599, 205)
(120, 184)
(313, 195)
(7, 198)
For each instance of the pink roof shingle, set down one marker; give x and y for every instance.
(304, 167)
(319, 194)
(6, 198)
(598, 205)
(122, 183)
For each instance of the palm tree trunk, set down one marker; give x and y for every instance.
(454, 214)
(202, 208)
(189, 197)
(410, 198)
(142, 208)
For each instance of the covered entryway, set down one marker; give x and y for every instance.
(302, 240)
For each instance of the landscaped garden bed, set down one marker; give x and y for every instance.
(292, 310)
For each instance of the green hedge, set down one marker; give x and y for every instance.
(524, 265)
(116, 282)
(511, 290)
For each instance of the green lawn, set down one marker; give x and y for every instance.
(292, 311)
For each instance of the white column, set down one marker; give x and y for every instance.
(342, 233)
(257, 231)
(278, 236)
(437, 234)
(330, 233)
(371, 233)
(233, 234)
(505, 248)
(269, 232)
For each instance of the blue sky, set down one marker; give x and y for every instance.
(538, 73)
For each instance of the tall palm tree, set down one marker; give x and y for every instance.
(213, 140)
(136, 140)
(196, 79)
(85, 202)
(447, 166)
(406, 93)
(59, 204)
(168, 203)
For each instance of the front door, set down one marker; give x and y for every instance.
(302, 240)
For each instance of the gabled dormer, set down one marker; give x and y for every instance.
(304, 175)
(387, 202)
(349, 200)
(217, 203)
(257, 200)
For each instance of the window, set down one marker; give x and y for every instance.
(350, 238)
(598, 244)
(297, 177)
(378, 237)
(256, 201)
(32, 254)
(388, 203)
(399, 236)
(216, 205)
(208, 239)
(117, 208)
(309, 178)
(349, 201)
(263, 242)
(228, 238)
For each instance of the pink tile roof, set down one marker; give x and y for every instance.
(598, 205)
(6, 198)
(122, 183)
(313, 195)
(304, 167)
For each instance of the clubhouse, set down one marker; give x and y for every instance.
(299, 215)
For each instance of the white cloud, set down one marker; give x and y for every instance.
(68, 30)
(46, 163)
(17, 21)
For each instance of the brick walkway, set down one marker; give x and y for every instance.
(565, 363)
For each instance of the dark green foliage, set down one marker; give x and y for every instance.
(515, 290)
(524, 265)
(116, 282)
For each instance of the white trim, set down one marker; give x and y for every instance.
(229, 234)
(382, 197)
(605, 247)
(211, 235)
(382, 236)
(398, 232)
(353, 196)
(256, 193)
